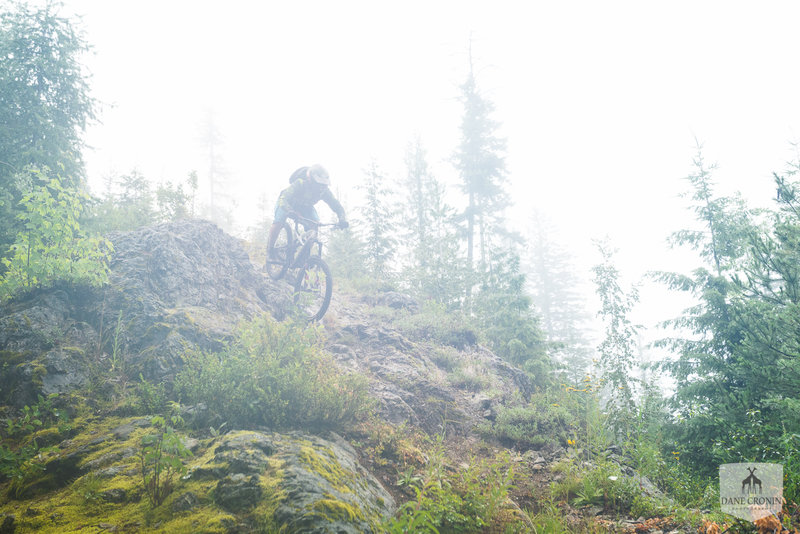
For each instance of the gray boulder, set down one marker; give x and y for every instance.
(181, 285)
(173, 287)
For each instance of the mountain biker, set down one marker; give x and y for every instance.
(308, 186)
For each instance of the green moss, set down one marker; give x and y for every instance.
(208, 519)
(333, 509)
(111, 451)
(39, 372)
(81, 506)
(328, 468)
(47, 436)
(12, 358)
(273, 496)
(63, 464)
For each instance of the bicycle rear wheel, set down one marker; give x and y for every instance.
(280, 255)
(313, 289)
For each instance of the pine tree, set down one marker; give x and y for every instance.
(346, 256)
(44, 104)
(502, 308)
(714, 367)
(435, 268)
(506, 317)
(129, 202)
(555, 289)
(379, 218)
(481, 165)
(618, 350)
(419, 186)
(220, 202)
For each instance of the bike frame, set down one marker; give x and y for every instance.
(306, 240)
(300, 261)
(305, 243)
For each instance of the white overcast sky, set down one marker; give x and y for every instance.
(600, 102)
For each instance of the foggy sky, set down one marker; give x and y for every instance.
(601, 102)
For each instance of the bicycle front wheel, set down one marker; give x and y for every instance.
(280, 255)
(313, 289)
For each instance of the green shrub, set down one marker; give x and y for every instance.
(51, 246)
(469, 380)
(275, 375)
(161, 458)
(409, 518)
(445, 358)
(22, 463)
(598, 483)
(22, 453)
(445, 502)
(43, 414)
(150, 398)
(667, 473)
(435, 323)
(551, 520)
(539, 423)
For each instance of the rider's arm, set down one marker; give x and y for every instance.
(334, 204)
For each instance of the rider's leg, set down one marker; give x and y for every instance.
(273, 235)
(310, 213)
(279, 219)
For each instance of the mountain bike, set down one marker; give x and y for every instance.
(297, 255)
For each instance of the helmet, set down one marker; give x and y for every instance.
(319, 174)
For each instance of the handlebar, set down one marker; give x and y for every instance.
(309, 222)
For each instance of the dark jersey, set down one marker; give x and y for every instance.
(305, 192)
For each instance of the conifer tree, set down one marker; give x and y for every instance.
(419, 185)
(555, 290)
(346, 255)
(435, 268)
(711, 365)
(617, 351)
(129, 202)
(481, 165)
(45, 104)
(378, 217)
(506, 317)
(502, 308)
(220, 202)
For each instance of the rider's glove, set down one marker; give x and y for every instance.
(343, 224)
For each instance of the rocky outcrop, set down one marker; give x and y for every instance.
(408, 370)
(44, 347)
(183, 286)
(172, 287)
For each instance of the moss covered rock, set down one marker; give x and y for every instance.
(294, 482)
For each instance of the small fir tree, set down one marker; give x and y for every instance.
(379, 221)
(617, 351)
